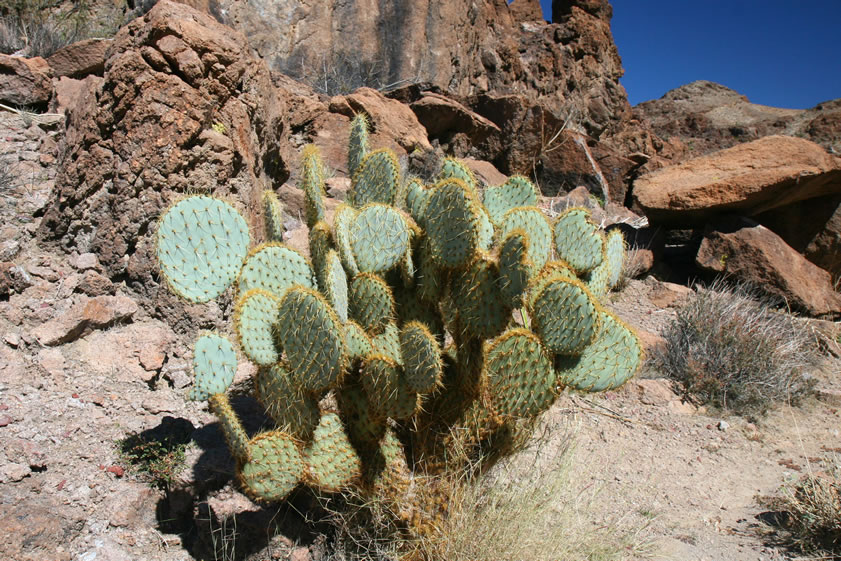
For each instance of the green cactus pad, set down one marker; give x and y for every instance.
(311, 336)
(293, 410)
(564, 316)
(231, 427)
(274, 268)
(389, 475)
(335, 285)
(411, 308)
(371, 302)
(514, 267)
(364, 428)
(486, 231)
(376, 179)
(456, 169)
(428, 284)
(273, 216)
(578, 240)
(330, 459)
(470, 360)
(254, 318)
(407, 269)
(422, 362)
(615, 257)
(312, 183)
(388, 343)
(358, 144)
(342, 220)
(610, 361)
(275, 469)
(201, 244)
(388, 393)
(519, 374)
(483, 312)
(379, 237)
(536, 226)
(358, 342)
(214, 366)
(417, 197)
(516, 192)
(320, 243)
(452, 224)
(598, 279)
(552, 271)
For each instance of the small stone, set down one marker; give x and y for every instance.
(14, 472)
(5, 420)
(723, 425)
(52, 360)
(12, 339)
(159, 404)
(86, 261)
(46, 273)
(116, 470)
(95, 284)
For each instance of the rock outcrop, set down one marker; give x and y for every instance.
(25, 81)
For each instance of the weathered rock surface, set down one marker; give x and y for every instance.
(459, 46)
(25, 81)
(84, 316)
(750, 252)
(707, 117)
(748, 179)
(80, 59)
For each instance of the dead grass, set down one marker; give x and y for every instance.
(730, 348)
(811, 508)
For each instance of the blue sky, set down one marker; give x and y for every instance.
(784, 53)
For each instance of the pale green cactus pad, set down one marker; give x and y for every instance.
(312, 183)
(514, 267)
(385, 385)
(456, 169)
(231, 427)
(358, 342)
(292, 409)
(358, 143)
(214, 366)
(376, 179)
(342, 220)
(330, 459)
(520, 378)
(275, 469)
(274, 268)
(417, 197)
(453, 222)
(482, 309)
(516, 192)
(371, 302)
(336, 285)
(578, 240)
(311, 336)
(610, 361)
(615, 257)
(564, 316)
(379, 237)
(536, 226)
(273, 216)
(201, 244)
(387, 343)
(364, 428)
(254, 318)
(423, 366)
(486, 231)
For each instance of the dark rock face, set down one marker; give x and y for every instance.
(571, 67)
(182, 107)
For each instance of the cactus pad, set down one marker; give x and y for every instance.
(376, 179)
(388, 343)
(535, 225)
(342, 220)
(330, 459)
(364, 429)
(610, 361)
(358, 342)
(615, 257)
(231, 427)
(453, 223)
(214, 365)
(312, 183)
(421, 357)
(456, 169)
(274, 268)
(483, 312)
(516, 192)
(254, 318)
(514, 267)
(519, 375)
(273, 216)
(371, 302)
(275, 469)
(293, 410)
(335, 285)
(387, 390)
(417, 197)
(358, 143)
(564, 316)
(379, 237)
(578, 240)
(311, 336)
(201, 243)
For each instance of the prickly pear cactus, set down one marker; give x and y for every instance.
(426, 311)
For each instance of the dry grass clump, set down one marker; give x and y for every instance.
(730, 348)
(812, 511)
(526, 506)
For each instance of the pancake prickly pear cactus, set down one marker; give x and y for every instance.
(425, 311)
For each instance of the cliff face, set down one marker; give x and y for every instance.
(463, 47)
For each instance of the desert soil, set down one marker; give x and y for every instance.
(82, 366)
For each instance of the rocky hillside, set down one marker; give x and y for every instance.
(707, 116)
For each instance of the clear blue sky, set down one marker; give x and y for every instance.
(784, 53)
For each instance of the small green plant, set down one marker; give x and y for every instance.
(730, 348)
(157, 459)
(219, 127)
(811, 509)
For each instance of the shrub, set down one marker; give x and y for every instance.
(156, 458)
(730, 348)
(811, 509)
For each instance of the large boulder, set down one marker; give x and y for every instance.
(80, 59)
(745, 250)
(748, 179)
(25, 81)
(183, 107)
